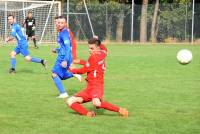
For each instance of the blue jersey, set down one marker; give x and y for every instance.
(65, 50)
(18, 33)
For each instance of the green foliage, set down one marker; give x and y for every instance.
(183, 1)
(173, 18)
(98, 13)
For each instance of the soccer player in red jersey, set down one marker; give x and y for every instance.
(95, 68)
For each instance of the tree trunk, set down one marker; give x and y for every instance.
(154, 22)
(143, 22)
(120, 23)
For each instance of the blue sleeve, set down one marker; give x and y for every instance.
(67, 43)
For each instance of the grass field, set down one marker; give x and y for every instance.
(162, 96)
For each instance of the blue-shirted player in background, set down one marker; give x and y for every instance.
(64, 59)
(22, 45)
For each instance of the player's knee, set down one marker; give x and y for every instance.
(12, 54)
(28, 58)
(54, 75)
(96, 102)
(71, 100)
(74, 99)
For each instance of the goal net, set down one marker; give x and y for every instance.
(44, 13)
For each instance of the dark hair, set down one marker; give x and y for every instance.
(56, 18)
(95, 41)
(10, 15)
(61, 17)
(30, 12)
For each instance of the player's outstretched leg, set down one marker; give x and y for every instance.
(37, 60)
(59, 85)
(109, 106)
(74, 104)
(12, 62)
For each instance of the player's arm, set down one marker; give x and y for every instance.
(55, 50)
(13, 34)
(24, 23)
(103, 48)
(88, 67)
(79, 61)
(10, 38)
(67, 52)
(34, 25)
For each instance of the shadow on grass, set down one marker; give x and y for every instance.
(98, 112)
(24, 71)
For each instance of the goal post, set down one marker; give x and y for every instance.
(43, 11)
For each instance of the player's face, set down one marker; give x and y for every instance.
(10, 20)
(61, 24)
(93, 48)
(30, 15)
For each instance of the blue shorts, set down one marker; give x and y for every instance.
(22, 49)
(61, 72)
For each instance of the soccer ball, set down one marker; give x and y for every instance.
(184, 56)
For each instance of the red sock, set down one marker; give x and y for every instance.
(79, 108)
(109, 106)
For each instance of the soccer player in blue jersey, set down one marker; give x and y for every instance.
(22, 45)
(64, 59)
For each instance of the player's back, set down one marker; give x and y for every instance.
(18, 33)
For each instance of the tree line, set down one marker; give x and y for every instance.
(147, 31)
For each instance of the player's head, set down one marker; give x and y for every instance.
(61, 22)
(94, 44)
(30, 14)
(11, 19)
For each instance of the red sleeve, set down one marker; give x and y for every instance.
(89, 66)
(103, 48)
(74, 44)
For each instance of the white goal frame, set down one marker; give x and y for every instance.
(6, 10)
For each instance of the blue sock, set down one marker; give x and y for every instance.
(13, 62)
(36, 60)
(59, 84)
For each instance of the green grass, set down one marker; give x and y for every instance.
(162, 96)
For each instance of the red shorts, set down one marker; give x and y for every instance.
(92, 91)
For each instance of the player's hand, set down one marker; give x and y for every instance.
(76, 61)
(64, 64)
(53, 50)
(33, 28)
(7, 39)
(96, 37)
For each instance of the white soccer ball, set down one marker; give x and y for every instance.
(184, 56)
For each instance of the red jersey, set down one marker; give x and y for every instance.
(94, 67)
